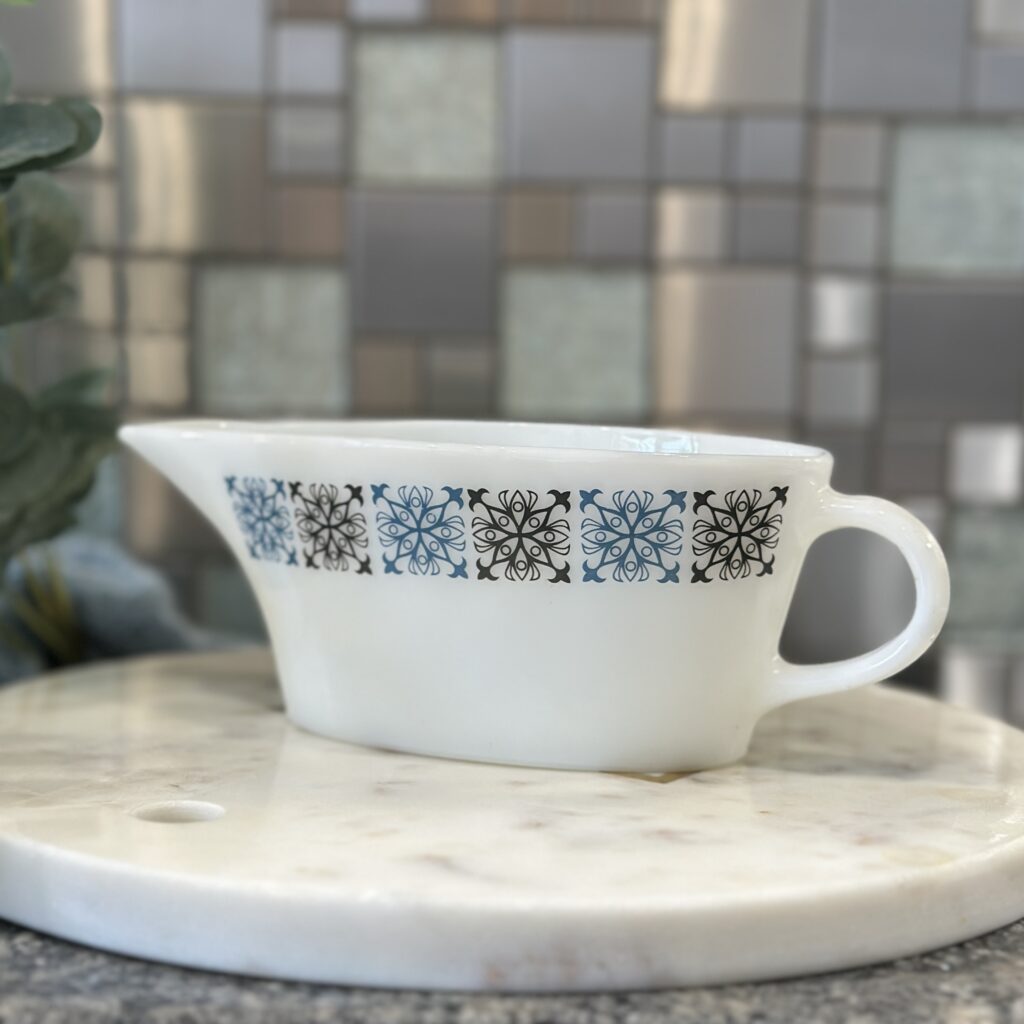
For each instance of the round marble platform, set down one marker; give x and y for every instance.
(166, 809)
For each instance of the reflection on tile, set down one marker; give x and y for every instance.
(538, 224)
(726, 342)
(912, 458)
(477, 12)
(842, 312)
(225, 602)
(842, 391)
(691, 224)
(733, 52)
(612, 225)
(460, 379)
(769, 150)
(999, 19)
(161, 520)
(986, 562)
(578, 104)
(954, 353)
(957, 200)
(306, 141)
(845, 234)
(189, 181)
(426, 107)
(692, 148)
(61, 47)
(158, 371)
(156, 295)
(768, 229)
(308, 58)
(986, 462)
(974, 679)
(574, 344)
(999, 79)
(192, 46)
(309, 220)
(885, 56)
(93, 279)
(387, 10)
(387, 376)
(848, 155)
(96, 199)
(851, 450)
(423, 262)
(272, 340)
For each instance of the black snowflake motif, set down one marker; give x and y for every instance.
(732, 538)
(332, 529)
(520, 535)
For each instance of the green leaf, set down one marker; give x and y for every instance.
(17, 423)
(5, 77)
(87, 385)
(43, 230)
(20, 303)
(30, 130)
(88, 125)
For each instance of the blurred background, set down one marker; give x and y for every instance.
(793, 218)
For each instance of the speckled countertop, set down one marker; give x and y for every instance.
(45, 980)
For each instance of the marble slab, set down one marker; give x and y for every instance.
(166, 809)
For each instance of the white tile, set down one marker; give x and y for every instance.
(309, 58)
(843, 313)
(986, 462)
(999, 19)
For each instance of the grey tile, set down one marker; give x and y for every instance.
(691, 224)
(972, 678)
(423, 262)
(426, 106)
(192, 46)
(953, 353)
(537, 224)
(999, 19)
(189, 183)
(842, 391)
(843, 312)
(272, 340)
(769, 150)
(468, 12)
(97, 201)
(728, 53)
(986, 463)
(306, 141)
(61, 47)
(986, 561)
(309, 58)
(574, 344)
(156, 295)
(461, 379)
(999, 79)
(388, 377)
(880, 55)
(912, 458)
(692, 148)
(956, 205)
(101, 512)
(225, 602)
(578, 105)
(845, 234)
(726, 342)
(161, 520)
(613, 225)
(768, 229)
(852, 452)
(387, 10)
(849, 155)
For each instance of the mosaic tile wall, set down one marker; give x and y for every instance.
(799, 218)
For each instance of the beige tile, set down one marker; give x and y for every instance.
(96, 199)
(158, 371)
(538, 225)
(388, 375)
(460, 378)
(94, 281)
(156, 295)
(479, 12)
(618, 12)
(540, 10)
(309, 220)
(691, 224)
(161, 520)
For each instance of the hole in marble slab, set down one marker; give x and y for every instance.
(179, 812)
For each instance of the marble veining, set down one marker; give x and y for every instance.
(819, 850)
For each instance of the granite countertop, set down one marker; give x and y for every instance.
(46, 980)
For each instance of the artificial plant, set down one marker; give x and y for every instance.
(51, 441)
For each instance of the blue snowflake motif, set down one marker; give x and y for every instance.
(631, 535)
(262, 513)
(423, 535)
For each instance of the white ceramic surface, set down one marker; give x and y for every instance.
(862, 827)
(574, 597)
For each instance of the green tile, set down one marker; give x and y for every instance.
(958, 200)
(575, 344)
(426, 107)
(272, 340)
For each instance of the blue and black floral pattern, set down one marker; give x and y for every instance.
(262, 512)
(736, 534)
(331, 526)
(421, 535)
(631, 535)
